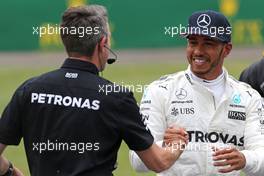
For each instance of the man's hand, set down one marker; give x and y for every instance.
(230, 158)
(176, 136)
(17, 172)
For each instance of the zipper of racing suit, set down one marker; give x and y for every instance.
(214, 102)
(206, 170)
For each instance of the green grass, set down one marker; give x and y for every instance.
(11, 78)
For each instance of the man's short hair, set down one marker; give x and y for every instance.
(91, 18)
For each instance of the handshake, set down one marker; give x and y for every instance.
(157, 158)
(226, 160)
(174, 142)
(175, 139)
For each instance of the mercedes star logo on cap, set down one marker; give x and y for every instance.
(203, 20)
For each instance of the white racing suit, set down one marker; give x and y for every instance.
(237, 121)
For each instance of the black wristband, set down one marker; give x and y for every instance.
(9, 171)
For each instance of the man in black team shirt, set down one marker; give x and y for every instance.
(254, 76)
(70, 126)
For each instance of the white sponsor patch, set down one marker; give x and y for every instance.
(71, 75)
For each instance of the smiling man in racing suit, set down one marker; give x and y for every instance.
(223, 117)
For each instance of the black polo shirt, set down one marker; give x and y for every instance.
(254, 76)
(70, 125)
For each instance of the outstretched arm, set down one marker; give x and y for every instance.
(5, 164)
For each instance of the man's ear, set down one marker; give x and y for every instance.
(228, 48)
(103, 42)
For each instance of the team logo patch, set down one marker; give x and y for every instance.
(236, 115)
(203, 20)
(71, 75)
(236, 99)
(181, 93)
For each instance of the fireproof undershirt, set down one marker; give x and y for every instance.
(216, 86)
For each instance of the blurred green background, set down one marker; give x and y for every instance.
(134, 24)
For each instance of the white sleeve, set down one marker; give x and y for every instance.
(254, 138)
(152, 112)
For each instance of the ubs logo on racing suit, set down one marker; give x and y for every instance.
(182, 111)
